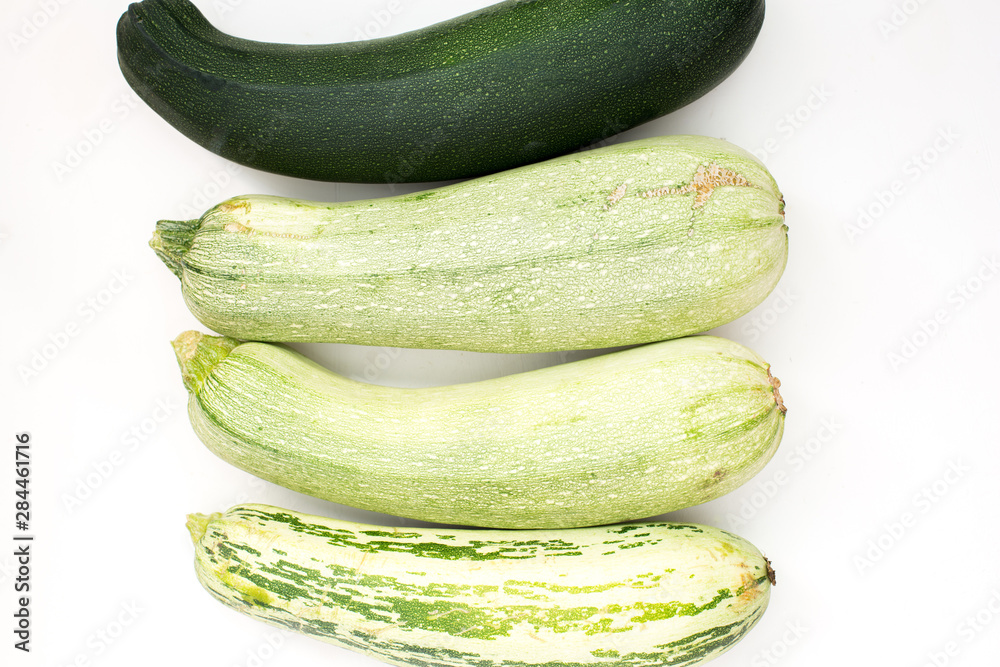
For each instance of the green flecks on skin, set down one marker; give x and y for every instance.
(475, 551)
(387, 533)
(253, 595)
(556, 588)
(224, 549)
(248, 549)
(628, 528)
(658, 611)
(731, 633)
(605, 653)
(428, 607)
(678, 526)
(688, 650)
(279, 588)
(335, 583)
(525, 594)
(598, 588)
(603, 627)
(483, 589)
(456, 620)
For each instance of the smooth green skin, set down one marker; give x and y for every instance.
(619, 437)
(534, 259)
(628, 595)
(515, 83)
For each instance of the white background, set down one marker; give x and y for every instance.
(881, 509)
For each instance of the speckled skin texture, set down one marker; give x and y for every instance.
(515, 83)
(619, 437)
(625, 244)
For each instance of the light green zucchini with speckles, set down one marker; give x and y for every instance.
(623, 436)
(629, 595)
(626, 244)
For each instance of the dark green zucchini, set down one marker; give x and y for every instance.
(515, 83)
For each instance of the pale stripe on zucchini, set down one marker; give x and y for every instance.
(628, 595)
(619, 437)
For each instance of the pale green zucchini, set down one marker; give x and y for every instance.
(619, 437)
(627, 595)
(626, 244)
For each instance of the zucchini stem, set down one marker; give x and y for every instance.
(775, 385)
(198, 354)
(197, 525)
(171, 241)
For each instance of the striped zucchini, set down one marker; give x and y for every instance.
(507, 85)
(627, 595)
(627, 244)
(619, 437)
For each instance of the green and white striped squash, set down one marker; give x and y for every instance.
(625, 244)
(630, 595)
(619, 437)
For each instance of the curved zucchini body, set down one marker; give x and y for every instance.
(518, 82)
(627, 244)
(619, 437)
(630, 595)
